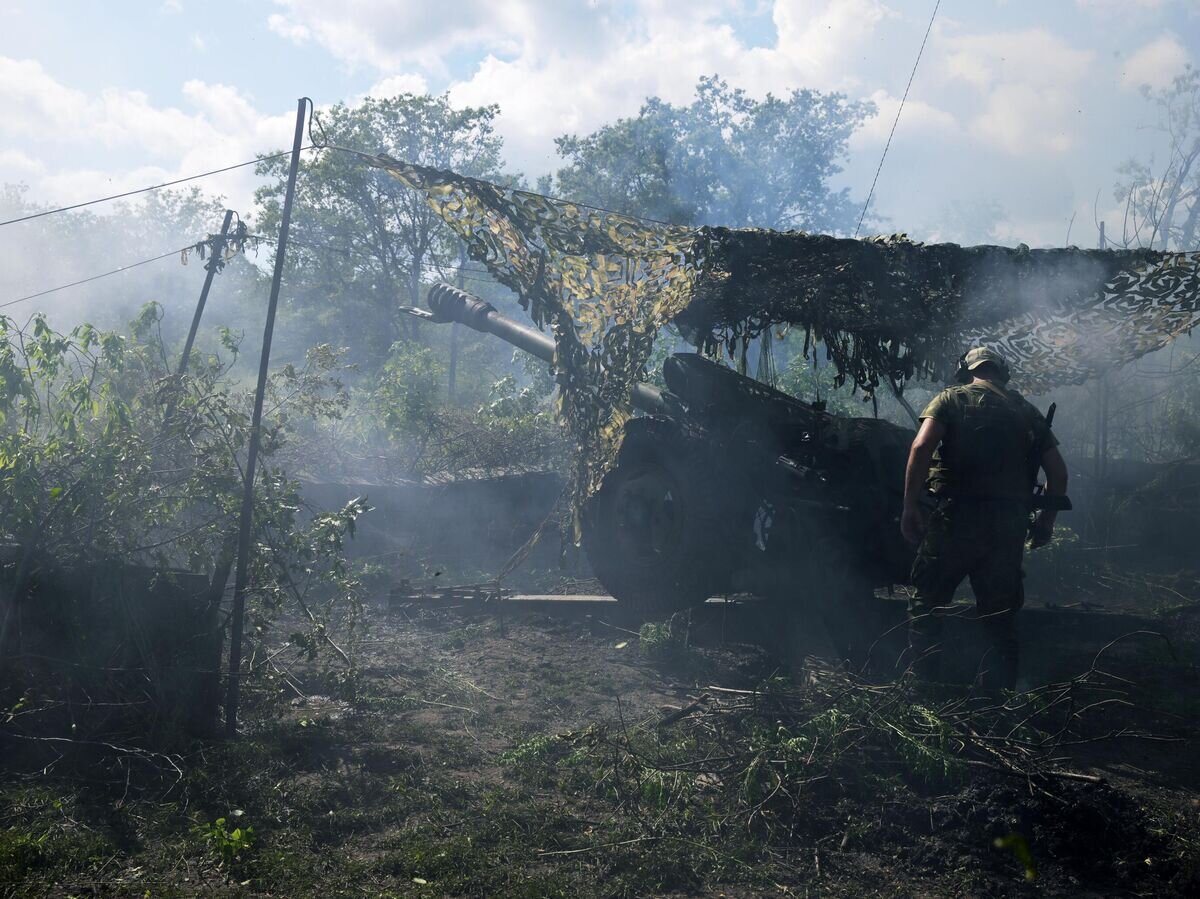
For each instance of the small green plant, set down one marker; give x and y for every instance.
(1019, 846)
(227, 844)
(654, 637)
(21, 850)
(531, 751)
(665, 639)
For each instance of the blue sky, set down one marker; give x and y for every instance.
(1019, 116)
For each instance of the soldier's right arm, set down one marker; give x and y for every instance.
(912, 519)
(1056, 485)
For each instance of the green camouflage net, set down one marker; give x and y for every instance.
(888, 309)
(604, 283)
(885, 309)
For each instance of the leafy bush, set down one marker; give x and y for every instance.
(512, 429)
(110, 459)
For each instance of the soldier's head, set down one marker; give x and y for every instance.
(982, 362)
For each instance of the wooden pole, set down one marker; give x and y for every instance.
(246, 523)
(452, 374)
(210, 273)
(1100, 463)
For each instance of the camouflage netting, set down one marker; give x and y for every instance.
(890, 309)
(886, 309)
(605, 284)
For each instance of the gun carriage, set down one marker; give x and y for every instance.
(726, 484)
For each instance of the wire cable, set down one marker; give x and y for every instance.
(896, 121)
(358, 254)
(191, 246)
(116, 271)
(142, 190)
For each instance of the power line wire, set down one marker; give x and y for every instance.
(116, 271)
(132, 265)
(142, 190)
(311, 245)
(896, 121)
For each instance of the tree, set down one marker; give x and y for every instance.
(1162, 209)
(726, 159)
(364, 243)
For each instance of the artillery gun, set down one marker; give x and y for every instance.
(728, 485)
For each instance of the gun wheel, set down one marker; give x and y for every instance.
(650, 534)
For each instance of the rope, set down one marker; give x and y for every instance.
(896, 122)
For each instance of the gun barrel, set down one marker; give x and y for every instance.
(449, 304)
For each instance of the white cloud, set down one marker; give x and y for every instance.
(34, 100)
(662, 51)
(1108, 7)
(1034, 56)
(571, 66)
(820, 37)
(393, 86)
(386, 34)
(218, 127)
(1027, 83)
(1156, 64)
(286, 28)
(1002, 106)
(198, 43)
(16, 166)
(917, 116)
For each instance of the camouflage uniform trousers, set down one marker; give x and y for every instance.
(983, 540)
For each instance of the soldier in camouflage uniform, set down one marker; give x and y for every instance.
(977, 454)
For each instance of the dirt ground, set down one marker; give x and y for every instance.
(545, 755)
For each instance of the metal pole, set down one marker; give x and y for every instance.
(211, 271)
(247, 518)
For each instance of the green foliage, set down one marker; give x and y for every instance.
(21, 850)
(508, 400)
(659, 639)
(47, 850)
(927, 743)
(73, 245)
(84, 445)
(726, 159)
(533, 750)
(364, 244)
(411, 388)
(512, 427)
(110, 459)
(805, 381)
(225, 843)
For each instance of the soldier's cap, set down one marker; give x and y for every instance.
(977, 356)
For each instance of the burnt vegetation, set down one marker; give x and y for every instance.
(474, 746)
